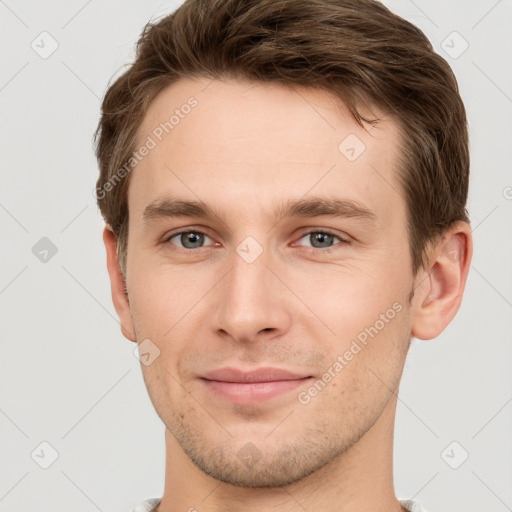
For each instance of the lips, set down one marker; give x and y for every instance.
(259, 375)
(252, 386)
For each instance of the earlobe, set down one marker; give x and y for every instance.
(117, 284)
(442, 286)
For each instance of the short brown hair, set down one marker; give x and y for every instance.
(356, 49)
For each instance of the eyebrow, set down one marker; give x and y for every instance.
(170, 207)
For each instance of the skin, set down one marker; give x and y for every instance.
(243, 150)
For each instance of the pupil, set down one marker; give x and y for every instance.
(324, 239)
(191, 240)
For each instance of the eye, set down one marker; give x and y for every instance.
(321, 239)
(317, 240)
(189, 239)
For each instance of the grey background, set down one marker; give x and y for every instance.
(70, 379)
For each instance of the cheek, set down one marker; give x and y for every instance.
(166, 309)
(365, 362)
(369, 328)
(351, 300)
(164, 299)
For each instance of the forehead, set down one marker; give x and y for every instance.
(231, 141)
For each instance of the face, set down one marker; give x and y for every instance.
(268, 262)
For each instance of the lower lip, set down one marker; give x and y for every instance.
(250, 392)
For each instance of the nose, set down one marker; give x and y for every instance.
(252, 301)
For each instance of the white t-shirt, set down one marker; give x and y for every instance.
(150, 504)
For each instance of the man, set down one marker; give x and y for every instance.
(284, 187)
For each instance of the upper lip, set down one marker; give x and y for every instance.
(258, 375)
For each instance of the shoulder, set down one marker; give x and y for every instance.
(147, 505)
(412, 506)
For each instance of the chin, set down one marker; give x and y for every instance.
(251, 460)
(260, 469)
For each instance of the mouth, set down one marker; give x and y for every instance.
(254, 386)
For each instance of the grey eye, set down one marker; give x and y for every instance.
(319, 239)
(190, 239)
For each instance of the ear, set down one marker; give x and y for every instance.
(440, 285)
(117, 284)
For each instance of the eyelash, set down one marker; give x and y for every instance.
(323, 250)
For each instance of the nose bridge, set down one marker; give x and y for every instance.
(249, 301)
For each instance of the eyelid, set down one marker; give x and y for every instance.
(344, 239)
(188, 229)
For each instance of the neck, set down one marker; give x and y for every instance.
(359, 480)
